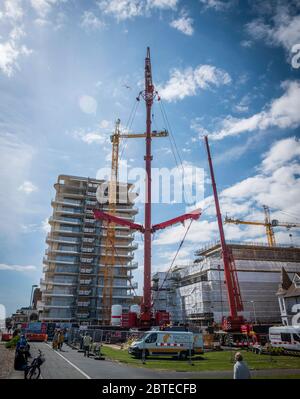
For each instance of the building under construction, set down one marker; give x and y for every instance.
(74, 265)
(197, 293)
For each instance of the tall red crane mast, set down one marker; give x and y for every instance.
(147, 317)
(234, 321)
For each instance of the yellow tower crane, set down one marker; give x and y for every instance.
(109, 256)
(268, 223)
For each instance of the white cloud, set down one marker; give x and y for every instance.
(43, 7)
(280, 153)
(17, 268)
(90, 21)
(27, 187)
(46, 226)
(129, 9)
(276, 184)
(246, 43)
(163, 4)
(186, 83)
(90, 137)
(282, 113)
(282, 29)
(105, 124)
(217, 5)
(88, 104)
(13, 10)
(122, 9)
(10, 48)
(9, 55)
(184, 24)
(16, 33)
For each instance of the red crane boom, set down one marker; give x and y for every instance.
(233, 289)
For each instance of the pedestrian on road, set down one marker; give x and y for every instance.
(55, 340)
(87, 340)
(61, 339)
(240, 369)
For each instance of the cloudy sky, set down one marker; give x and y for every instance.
(69, 68)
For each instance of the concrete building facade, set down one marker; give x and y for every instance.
(197, 293)
(74, 260)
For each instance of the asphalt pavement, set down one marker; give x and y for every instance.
(71, 364)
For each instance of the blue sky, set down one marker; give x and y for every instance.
(69, 68)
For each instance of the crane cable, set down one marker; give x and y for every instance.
(174, 258)
(128, 126)
(174, 147)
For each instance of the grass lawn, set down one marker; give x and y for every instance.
(209, 361)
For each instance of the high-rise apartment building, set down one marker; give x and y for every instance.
(72, 287)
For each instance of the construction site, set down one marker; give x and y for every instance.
(89, 264)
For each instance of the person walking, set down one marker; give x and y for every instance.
(55, 340)
(61, 339)
(86, 344)
(240, 369)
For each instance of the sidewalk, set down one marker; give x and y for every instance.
(16, 375)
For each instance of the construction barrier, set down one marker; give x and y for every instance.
(6, 337)
(36, 337)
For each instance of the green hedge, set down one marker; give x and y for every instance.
(13, 342)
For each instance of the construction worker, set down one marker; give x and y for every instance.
(87, 340)
(240, 370)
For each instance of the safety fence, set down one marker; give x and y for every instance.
(75, 336)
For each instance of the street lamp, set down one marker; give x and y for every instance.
(253, 304)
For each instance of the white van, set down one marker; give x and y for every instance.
(172, 343)
(287, 337)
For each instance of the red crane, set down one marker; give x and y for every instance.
(148, 94)
(234, 321)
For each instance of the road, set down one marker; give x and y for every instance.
(71, 364)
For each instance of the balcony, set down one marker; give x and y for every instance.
(83, 304)
(62, 230)
(60, 262)
(129, 247)
(51, 238)
(89, 250)
(64, 201)
(88, 240)
(64, 220)
(89, 230)
(84, 292)
(129, 265)
(57, 294)
(61, 251)
(119, 254)
(89, 221)
(86, 271)
(91, 203)
(60, 283)
(87, 260)
(85, 282)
